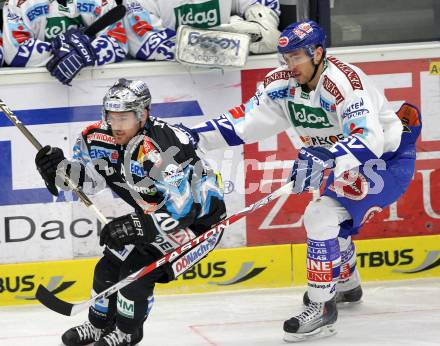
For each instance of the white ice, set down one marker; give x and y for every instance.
(392, 313)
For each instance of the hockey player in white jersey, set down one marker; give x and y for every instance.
(49, 33)
(347, 126)
(151, 24)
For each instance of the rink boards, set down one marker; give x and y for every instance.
(231, 269)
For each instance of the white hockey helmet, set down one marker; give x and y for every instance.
(127, 95)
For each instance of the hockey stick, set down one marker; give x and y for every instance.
(48, 299)
(82, 196)
(112, 16)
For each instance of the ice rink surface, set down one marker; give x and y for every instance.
(392, 313)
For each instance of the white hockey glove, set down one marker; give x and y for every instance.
(261, 23)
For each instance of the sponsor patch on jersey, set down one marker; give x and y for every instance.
(281, 93)
(36, 11)
(21, 35)
(327, 105)
(100, 137)
(355, 110)
(331, 87)
(125, 306)
(351, 74)
(308, 117)
(140, 23)
(237, 112)
(203, 15)
(277, 76)
(86, 6)
(195, 255)
(322, 141)
(137, 169)
(355, 126)
(101, 153)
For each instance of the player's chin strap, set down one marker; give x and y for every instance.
(315, 70)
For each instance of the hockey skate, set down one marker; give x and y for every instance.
(83, 334)
(315, 322)
(349, 297)
(119, 338)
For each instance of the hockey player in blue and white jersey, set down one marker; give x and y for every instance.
(370, 155)
(49, 33)
(151, 24)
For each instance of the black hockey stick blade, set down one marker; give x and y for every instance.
(48, 299)
(112, 16)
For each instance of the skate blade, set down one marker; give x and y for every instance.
(348, 305)
(323, 332)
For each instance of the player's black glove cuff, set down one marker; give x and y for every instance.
(132, 228)
(47, 161)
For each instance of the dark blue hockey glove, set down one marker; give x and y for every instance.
(135, 228)
(192, 135)
(308, 169)
(71, 52)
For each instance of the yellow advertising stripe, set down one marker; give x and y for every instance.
(385, 259)
(236, 268)
(72, 279)
(231, 269)
(223, 269)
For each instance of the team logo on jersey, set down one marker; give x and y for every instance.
(173, 175)
(204, 15)
(59, 25)
(352, 185)
(308, 117)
